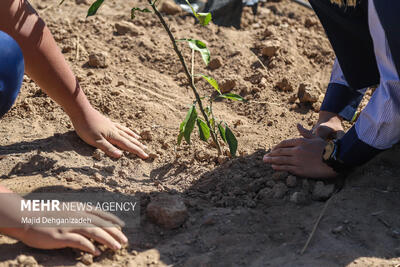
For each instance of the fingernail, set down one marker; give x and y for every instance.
(117, 246)
(124, 239)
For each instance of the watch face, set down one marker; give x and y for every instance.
(328, 150)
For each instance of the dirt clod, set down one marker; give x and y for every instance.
(284, 85)
(322, 191)
(124, 27)
(215, 63)
(279, 175)
(98, 154)
(227, 86)
(270, 48)
(146, 134)
(308, 94)
(168, 211)
(279, 190)
(26, 261)
(291, 181)
(98, 60)
(298, 198)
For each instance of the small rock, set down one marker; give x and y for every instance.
(170, 8)
(284, 85)
(337, 230)
(310, 22)
(322, 191)
(270, 183)
(69, 179)
(98, 154)
(98, 60)
(146, 134)
(153, 155)
(215, 63)
(279, 190)
(134, 253)
(124, 27)
(269, 31)
(291, 181)
(227, 86)
(270, 48)
(298, 197)
(265, 194)
(308, 94)
(87, 259)
(168, 211)
(26, 261)
(279, 175)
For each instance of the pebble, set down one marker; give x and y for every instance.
(337, 230)
(98, 60)
(269, 31)
(227, 86)
(291, 181)
(298, 198)
(284, 85)
(87, 259)
(124, 27)
(270, 48)
(168, 211)
(170, 8)
(308, 94)
(322, 191)
(215, 63)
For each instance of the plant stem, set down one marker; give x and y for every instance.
(189, 76)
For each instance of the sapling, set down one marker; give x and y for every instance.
(207, 124)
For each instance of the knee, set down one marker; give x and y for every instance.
(11, 71)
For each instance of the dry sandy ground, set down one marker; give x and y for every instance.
(240, 212)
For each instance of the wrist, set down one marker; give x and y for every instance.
(326, 116)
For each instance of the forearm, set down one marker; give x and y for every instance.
(44, 62)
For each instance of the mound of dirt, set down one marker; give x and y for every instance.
(238, 212)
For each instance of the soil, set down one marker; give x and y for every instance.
(239, 212)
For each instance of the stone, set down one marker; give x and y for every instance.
(26, 261)
(279, 190)
(284, 85)
(87, 259)
(215, 63)
(168, 211)
(270, 48)
(291, 181)
(265, 194)
(124, 27)
(146, 134)
(98, 60)
(322, 191)
(98, 154)
(227, 86)
(279, 175)
(269, 31)
(170, 8)
(298, 198)
(308, 94)
(337, 230)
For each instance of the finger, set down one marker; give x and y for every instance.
(304, 132)
(107, 216)
(74, 240)
(132, 139)
(125, 144)
(289, 143)
(279, 160)
(117, 234)
(127, 130)
(108, 148)
(285, 151)
(288, 168)
(99, 235)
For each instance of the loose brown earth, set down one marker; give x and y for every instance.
(239, 212)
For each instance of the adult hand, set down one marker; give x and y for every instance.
(329, 126)
(99, 131)
(301, 156)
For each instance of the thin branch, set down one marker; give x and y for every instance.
(189, 76)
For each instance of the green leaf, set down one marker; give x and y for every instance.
(94, 7)
(190, 124)
(180, 136)
(222, 132)
(198, 45)
(204, 18)
(211, 81)
(133, 10)
(232, 141)
(204, 131)
(234, 97)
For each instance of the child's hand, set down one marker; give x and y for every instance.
(99, 131)
(100, 230)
